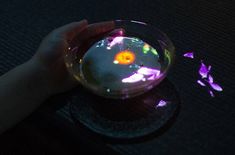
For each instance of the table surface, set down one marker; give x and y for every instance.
(204, 125)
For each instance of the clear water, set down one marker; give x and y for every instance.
(117, 67)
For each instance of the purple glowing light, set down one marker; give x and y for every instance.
(161, 103)
(216, 87)
(206, 79)
(133, 78)
(121, 33)
(153, 77)
(142, 74)
(201, 83)
(116, 33)
(189, 55)
(204, 70)
(211, 93)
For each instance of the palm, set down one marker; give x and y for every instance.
(51, 52)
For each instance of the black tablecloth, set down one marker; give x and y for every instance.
(204, 125)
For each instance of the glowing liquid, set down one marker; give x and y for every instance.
(117, 67)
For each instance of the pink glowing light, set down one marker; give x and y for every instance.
(153, 77)
(206, 79)
(142, 74)
(162, 103)
(210, 78)
(201, 83)
(121, 33)
(204, 70)
(189, 55)
(214, 85)
(133, 78)
(210, 81)
(116, 40)
(211, 93)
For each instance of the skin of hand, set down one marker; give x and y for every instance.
(25, 87)
(50, 54)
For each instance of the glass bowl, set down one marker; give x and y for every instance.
(124, 63)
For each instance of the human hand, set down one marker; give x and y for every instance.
(49, 57)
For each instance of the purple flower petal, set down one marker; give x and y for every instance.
(209, 68)
(210, 78)
(201, 83)
(216, 87)
(211, 93)
(203, 71)
(161, 103)
(189, 55)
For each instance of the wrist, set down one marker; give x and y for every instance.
(37, 78)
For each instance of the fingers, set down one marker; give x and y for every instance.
(96, 29)
(90, 41)
(69, 31)
(77, 33)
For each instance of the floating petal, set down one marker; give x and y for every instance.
(201, 83)
(204, 70)
(211, 93)
(189, 55)
(216, 87)
(148, 71)
(161, 103)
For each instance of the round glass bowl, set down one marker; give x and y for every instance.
(124, 63)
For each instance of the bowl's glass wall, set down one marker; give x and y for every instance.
(124, 63)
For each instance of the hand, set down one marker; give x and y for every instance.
(49, 57)
(27, 86)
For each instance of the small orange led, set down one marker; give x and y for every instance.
(125, 57)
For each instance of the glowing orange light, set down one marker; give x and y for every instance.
(125, 57)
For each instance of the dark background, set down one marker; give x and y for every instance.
(204, 125)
